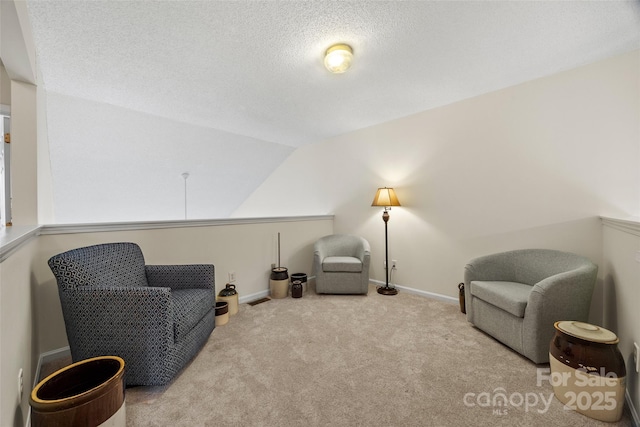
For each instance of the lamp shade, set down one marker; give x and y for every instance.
(385, 197)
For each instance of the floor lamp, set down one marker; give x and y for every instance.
(386, 197)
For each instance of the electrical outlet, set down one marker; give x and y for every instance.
(232, 276)
(394, 263)
(636, 356)
(273, 265)
(637, 256)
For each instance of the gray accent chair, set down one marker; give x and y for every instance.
(341, 264)
(517, 296)
(156, 317)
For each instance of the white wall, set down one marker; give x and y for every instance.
(5, 87)
(46, 213)
(18, 347)
(24, 185)
(528, 166)
(112, 164)
(621, 268)
(17, 337)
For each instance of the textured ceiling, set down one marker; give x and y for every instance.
(255, 68)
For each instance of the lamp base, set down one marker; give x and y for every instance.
(387, 290)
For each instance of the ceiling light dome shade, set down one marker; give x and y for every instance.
(338, 58)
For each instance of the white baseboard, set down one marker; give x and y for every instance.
(634, 413)
(407, 289)
(48, 357)
(265, 293)
(252, 297)
(432, 295)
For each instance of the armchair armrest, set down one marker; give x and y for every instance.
(364, 251)
(316, 267)
(318, 255)
(564, 294)
(185, 276)
(365, 257)
(100, 317)
(319, 252)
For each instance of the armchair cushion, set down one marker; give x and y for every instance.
(511, 297)
(342, 263)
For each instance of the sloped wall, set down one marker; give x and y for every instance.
(528, 166)
(110, 164)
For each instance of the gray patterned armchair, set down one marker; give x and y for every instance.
(156, 317)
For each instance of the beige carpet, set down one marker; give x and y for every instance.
(336, 360)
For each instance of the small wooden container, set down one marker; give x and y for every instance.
(222, 313)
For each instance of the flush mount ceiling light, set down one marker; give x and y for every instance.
(338, 58)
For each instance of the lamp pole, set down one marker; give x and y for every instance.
(386, 290)
(386, 197)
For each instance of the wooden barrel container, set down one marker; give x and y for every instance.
(588, 373)
(88, 393)
(279, 282)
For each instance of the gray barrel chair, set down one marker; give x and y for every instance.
(341, 264)
(517, 296)
(156, 317)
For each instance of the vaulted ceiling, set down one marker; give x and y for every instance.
(138, 92)
(255, 68)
